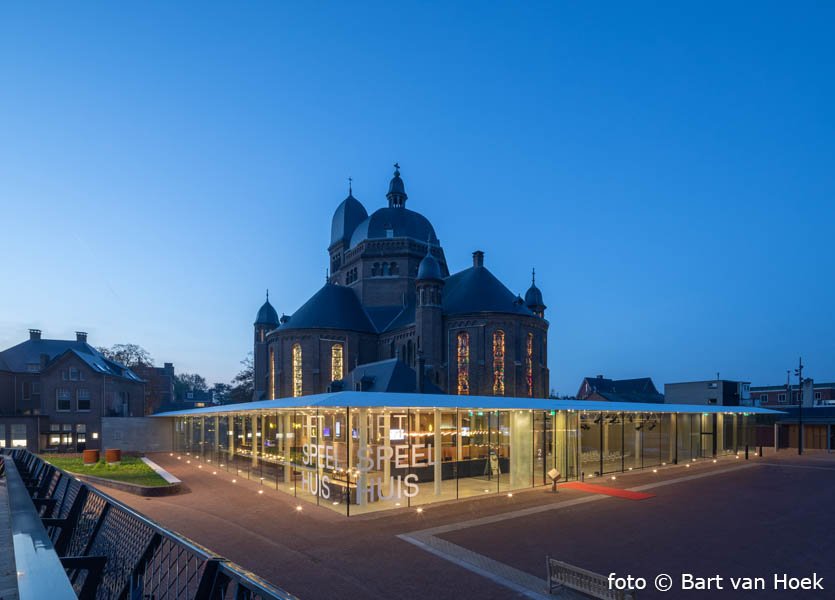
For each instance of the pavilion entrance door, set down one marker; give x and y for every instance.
(708, 435)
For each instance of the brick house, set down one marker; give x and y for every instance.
(53, 393)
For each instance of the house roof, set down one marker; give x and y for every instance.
(639, 385)
(19, 357)
(342, 400)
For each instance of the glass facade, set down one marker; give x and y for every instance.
(359, 460)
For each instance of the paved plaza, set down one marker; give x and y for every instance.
(730, 518)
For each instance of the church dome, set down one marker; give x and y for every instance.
(346, 217)
(394, 223)
(266, 314)
(429, 268)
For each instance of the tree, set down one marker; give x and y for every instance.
(129, 355)
(221, 393)
(243, 385)
(186, 382)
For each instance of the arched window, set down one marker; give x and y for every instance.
(463, 363)
(498, 363)
(272, 372)
(529, 364)
(297, 370)
(336, 362)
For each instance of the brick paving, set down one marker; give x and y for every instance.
(738, 522)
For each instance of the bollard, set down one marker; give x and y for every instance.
(746, 451)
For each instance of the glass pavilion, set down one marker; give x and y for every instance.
(357, 452)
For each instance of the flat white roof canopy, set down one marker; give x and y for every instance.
(396, 400)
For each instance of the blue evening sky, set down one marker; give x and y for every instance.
(666, 167)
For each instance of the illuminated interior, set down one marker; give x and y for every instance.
(358, 452)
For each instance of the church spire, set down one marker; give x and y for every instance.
(397, 190)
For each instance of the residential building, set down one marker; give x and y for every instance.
(159, 385)
(53, 393)
(781, 394)
(721, 392)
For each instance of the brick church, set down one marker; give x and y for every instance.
(391, 318)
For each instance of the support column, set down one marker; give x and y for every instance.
(285, 447)
(202, 435)
(387, 453)
(829, 437)
(438, 451)
(217, 436)
(230, 434)
(362, 477)
(776, 437)
(671, 458)
(264, 431)
(254, 445)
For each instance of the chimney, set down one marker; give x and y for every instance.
(478, 258)
(600, 376)
(34, 334)
(81, 336)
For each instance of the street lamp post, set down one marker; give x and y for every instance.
(799, 372)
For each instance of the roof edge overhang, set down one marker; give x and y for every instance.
(352, 399)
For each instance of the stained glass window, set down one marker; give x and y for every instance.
(297, 370)
(529, 364)
(463, 363)
(498, 363)
(336, 362)
(272, 373)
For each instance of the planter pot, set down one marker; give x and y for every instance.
(90, 457)
(113, 456)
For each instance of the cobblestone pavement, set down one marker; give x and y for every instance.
(735, 516)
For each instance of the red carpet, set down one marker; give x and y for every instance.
(607, 491)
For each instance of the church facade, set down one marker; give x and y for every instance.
(392, 318)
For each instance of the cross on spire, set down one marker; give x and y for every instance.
(350, 190)
(533, 276)
(268, 294)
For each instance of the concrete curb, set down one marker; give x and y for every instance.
(132, 488)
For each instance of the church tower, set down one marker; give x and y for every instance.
(265, 321)
(429, 318)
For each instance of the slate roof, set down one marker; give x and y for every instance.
(639, 385)
(17, 358)
(391, 375)
(332, 307)
(401, 221)
(477, 290)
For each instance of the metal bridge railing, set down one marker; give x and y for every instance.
(109, 551)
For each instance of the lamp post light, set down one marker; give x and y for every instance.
(799, 372)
